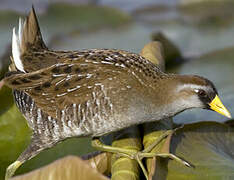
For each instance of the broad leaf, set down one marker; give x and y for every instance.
(68, 168)
(209, 146)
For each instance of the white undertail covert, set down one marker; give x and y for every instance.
(16, 46)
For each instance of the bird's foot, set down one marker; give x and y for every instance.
(140, 155)
(129, 153)
(10, 171)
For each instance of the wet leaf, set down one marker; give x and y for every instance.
(68, 168)
(209, 146)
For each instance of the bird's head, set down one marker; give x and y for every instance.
(198, 92)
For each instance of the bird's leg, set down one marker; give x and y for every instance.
(147, 152)
(132, 154)
(96, 143)
(157, 141)
(10, 171)
(142, 155)
(139, 155)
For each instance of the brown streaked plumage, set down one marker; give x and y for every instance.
(93, 92)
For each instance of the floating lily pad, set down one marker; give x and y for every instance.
(208, 146)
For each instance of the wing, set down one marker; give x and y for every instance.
(61, 85)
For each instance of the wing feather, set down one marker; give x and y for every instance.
(61, 85)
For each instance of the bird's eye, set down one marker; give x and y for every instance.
(201, 92)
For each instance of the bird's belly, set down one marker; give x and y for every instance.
(89, 119)
(78, 120)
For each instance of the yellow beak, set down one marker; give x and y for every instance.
(218, 106)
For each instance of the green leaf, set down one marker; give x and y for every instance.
(14, 132)
(208, 146)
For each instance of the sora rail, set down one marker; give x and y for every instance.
(93, 92)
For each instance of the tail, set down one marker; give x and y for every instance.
(28, 38)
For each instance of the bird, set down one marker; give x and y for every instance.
(93, 92)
